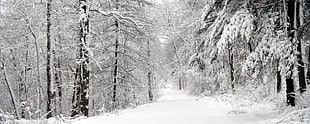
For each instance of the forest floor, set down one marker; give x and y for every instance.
(176, 107)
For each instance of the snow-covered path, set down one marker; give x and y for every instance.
(175, 107)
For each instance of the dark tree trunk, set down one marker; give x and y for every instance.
(58, 82)
(290, 95)
(149, 74)
(231, 67)
(23, 87)
(115, 71)
(180, 83)
(49, 72)
(278, 77)
(301, 68)
(279, 85)
(81, 99)
(307, 12)
(115, 67)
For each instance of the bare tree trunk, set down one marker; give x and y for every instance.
(81, 93)
(279, 80)
(8, 84)
(290, 95)
(115, 71)
(301, 68)
(58, 82)
(23, 87)
(306, 7)
(38, 85)
(149, 74)
(49, 67)
(231, 66)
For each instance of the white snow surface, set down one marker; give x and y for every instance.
(176, 107)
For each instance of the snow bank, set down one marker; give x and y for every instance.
(43, 121)
(244, 106)
(295, 117)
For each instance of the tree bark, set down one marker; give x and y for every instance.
(279, 80)
(49, 68)
(58, 82)
(180, 83)
(149, 74)
(290, 95)
(301, 68)
(231, 67)
(81, 93)
(23, 87)
(8, 84)
(115, 71)
(115, 68)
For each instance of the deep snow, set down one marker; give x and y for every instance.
(176, 107)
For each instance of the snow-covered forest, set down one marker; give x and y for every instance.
(155, 61)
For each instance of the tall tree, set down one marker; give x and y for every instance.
(149, 73)
(81, 93)
(23, 87)
(8, 84)
(301, 69)
(58, 77)
(231, 66)
(116, 58)
(49, 68)
(306, 33)
(291, 12)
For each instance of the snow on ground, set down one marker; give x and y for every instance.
(23, 121)
(301, 116)
(176, 107)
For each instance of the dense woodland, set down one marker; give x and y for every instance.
(73, 58)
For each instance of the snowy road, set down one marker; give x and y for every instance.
(175, 107)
